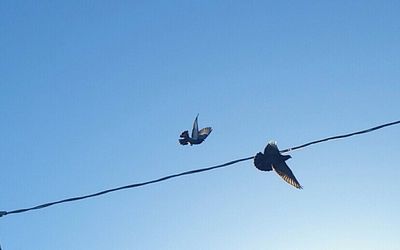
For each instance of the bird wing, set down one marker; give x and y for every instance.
(204, 132)
(195, 130)
(261, 162)
(287, 175)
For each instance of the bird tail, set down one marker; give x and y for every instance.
(183, 141)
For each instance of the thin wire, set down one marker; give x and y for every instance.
(341, 136)
(3, 213)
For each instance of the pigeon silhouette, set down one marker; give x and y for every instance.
(198, 136)
(273, 160)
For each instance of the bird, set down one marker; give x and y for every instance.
(198, 136)
(272, 159)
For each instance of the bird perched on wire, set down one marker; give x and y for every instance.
(198, 136)
(272, 159)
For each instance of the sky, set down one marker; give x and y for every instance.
(94, 95)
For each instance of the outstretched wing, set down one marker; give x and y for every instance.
(261, 162)
(287, 175)
(204, 132)
(195, 130)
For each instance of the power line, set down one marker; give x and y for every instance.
(3, 213)
(341, 136)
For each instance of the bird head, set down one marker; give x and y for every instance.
(273, 144)
(185, 134)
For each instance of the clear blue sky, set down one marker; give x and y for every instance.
(94, 94)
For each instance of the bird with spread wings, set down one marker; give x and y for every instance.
(198, 136)
(272, 159)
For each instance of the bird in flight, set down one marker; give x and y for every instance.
(198, 136)
(273, 160)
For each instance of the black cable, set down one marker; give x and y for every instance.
(341, 136)
(3, 213)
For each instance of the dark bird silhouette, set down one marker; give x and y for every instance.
(272, 159)
(198, 136)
